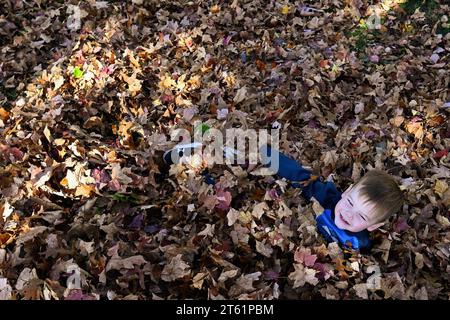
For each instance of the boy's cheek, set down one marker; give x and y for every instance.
(337, 208)
(339, 223)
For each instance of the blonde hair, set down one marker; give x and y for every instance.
(380, 189)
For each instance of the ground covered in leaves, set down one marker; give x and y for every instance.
(90, 92)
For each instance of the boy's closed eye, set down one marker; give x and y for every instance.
(351, 204)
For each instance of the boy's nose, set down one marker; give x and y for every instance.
(348, 216)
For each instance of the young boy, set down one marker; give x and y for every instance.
(350, 216)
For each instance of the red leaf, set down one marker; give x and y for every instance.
(11, 154)
(440, 154)
(224, 198)
(400, 225)
(77, 294)
(323, 63)
(304, 256)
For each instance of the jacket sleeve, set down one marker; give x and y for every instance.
(325, 192)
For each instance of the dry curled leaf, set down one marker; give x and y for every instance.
(176, 269)
(303, 275)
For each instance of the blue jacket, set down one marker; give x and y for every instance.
(325, 192)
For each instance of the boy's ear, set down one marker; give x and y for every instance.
(375, 226)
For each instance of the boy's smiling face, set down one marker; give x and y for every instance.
(353, 214)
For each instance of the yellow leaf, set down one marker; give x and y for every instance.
(397, 121)
(245, 217)
(285, 10)
(4, 238)
(215, 9)
(416, 129)
(4, 114)
(71, 179)
(443, 221)
(440, 187)
(134, 84)
(167, 83)
(58, 82)
(197, 281)
(62, 153)
(64, 182)
(317, 208)
(48, 135)
(59, 141)
(84, 190)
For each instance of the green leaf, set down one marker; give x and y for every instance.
(77, 72)
(120, 197)
(201, 128)
(11, 93)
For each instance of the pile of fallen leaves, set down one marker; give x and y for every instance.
(91, 91)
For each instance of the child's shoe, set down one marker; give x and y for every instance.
(174, 155)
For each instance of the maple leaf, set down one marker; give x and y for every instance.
(134, 84)
(303, 255)
(400, 225)
(341, 268)
(117, 263)
(176, 269)
(33, 290)
(440, 187)
(30, 234)
(5, 289)
(285, 10)
(119, 174)
(74, 20)
(232, 216)
(25, 277)
(225, 275)
(4, 114)
(241, 94)
(259, 209)
(244, 284)
(199, 278)
(77, 294)
(70, 181)
(392, 286)
(11, 154)
(361, 290)
(208, 231)
(264, 248)
(215, 9)
(138, 222)
(84, 190)
(302, 275)
(224, 198)
(77, 73)
(283, 210)
(6, 210)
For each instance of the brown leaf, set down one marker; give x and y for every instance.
(30, 234)
(436, 121)
(303, 255)
(4, 114)
(303, 275)
(176, 269)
